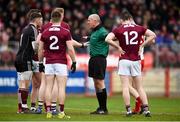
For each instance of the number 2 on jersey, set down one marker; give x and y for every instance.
(133, 40)
(53, 45)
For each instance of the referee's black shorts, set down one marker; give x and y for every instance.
(97, 67)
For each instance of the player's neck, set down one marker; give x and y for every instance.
(56, 23)
(126, 22)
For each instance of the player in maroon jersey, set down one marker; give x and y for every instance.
(54, 41)
(129, 36)
(43, 85)
(132, 88)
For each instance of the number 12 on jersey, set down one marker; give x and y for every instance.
(133, 40)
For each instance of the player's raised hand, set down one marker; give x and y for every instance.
(73, 67)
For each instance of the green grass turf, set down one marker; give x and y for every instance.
(79, 107)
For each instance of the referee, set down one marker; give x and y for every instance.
(97, 63)
(23, 61)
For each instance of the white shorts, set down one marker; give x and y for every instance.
(56, 69)
(129, 68)
(35, 67)
(27, 75)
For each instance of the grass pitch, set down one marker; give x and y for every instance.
(79, 107)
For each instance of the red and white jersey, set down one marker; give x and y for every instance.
(130, 37)
(54, 39)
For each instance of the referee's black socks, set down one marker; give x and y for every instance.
(102, 98)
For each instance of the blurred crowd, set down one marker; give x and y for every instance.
(161, 16)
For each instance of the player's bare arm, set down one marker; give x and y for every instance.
(71, 53)
(150, 38)
(109, 39)
(40, 51)
(78, 44)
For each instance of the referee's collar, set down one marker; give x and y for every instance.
(97, 27)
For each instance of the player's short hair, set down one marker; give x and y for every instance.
(125, 15)
(60, 10)
(55, 16)
(34, 15)
(32, 11)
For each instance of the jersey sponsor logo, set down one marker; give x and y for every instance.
(54, 29)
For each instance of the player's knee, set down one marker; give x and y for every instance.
(22, 84)
(99, 85)
(37, 85)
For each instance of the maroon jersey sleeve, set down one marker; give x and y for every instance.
(42, 37)
(65, 25)
(68, 37)
(114, 31)
(42, 29)
(143, 30)
(45, 26)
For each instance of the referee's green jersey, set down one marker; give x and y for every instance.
(98, 46)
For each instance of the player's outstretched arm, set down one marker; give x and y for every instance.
(77, 44)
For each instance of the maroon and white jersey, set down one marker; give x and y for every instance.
(54, 39)
(49, 24)
(130, 37)
(44, 27)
